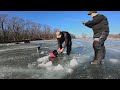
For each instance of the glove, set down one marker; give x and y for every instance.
(60, 50)
(83, 22)
(96, 39)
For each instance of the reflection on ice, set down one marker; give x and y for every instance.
(114, 60)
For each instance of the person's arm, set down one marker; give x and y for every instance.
(66, 40)
(59, 44)
(95, 21)
(90, 26)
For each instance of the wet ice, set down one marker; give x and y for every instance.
(22, 61)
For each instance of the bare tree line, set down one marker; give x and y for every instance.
(15, 29)
(114, 36)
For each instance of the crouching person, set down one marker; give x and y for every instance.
(63, 36)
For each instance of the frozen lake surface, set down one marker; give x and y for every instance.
(22, 61)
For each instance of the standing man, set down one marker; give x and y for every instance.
(100, 27)
(63, 36)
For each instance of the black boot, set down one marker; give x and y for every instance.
(98, 57)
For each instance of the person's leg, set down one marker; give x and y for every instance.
(100, 55)
(103, 39)
(99, 48)
(69, 49)
(95, 52)
(98, 52)
(104, 51)
(61, 46)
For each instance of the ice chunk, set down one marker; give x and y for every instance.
(31, 65)
(41, 65)
(42, 52)
(48, 64)
(2, 75)
(43, 59)
(69, 70)
(73, 62)
(35, 76)
(49, 68)
(58, 67)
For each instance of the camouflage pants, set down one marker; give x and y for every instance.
(99, 47)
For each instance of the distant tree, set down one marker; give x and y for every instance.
(84, 35)
(16, 29)
(72, 35)
(54, 32)
(16, 26)
(3, 30)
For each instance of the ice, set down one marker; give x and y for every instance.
(31, 65)
(22, 61)
(73, 62)
(42, 52)
(114, 60)
(2, 75)
(69, 70)
(37, 51)
(43, 59)
(48, 64)
(58, 67)
(50, 68)
(36, 76)
(41, 65)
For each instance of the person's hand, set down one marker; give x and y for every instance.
(60, 50)
(96, 39)
(83, 22)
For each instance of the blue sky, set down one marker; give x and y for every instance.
(68, 20)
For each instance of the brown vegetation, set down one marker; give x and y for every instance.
(15, 29)
(114, 36)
